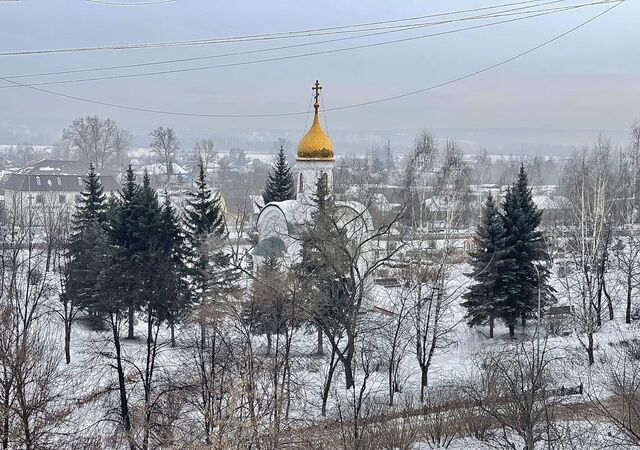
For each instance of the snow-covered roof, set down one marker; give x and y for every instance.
(54, 175)
(161, 169)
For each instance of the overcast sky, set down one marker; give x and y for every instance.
(588, 80)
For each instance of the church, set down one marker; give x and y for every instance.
(279, 223)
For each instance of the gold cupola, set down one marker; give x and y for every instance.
(315, 145)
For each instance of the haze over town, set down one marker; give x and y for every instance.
(323, 225)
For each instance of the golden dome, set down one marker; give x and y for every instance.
(315, 144)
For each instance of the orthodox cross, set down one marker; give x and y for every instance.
(316, 88)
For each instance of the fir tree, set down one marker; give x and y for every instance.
(485, 297)
(127, 212)
(92, 206)
(172, 268)
(147, 248)
(88, 243)
(270, 310)
(280, 181)
(204, 213)
(205, 226)
(322, 264)
(524, 253)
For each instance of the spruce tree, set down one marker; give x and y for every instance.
(323, 264)
(88, 242)
(485, 297)
(147, 249)
(204, 212)
(92, 206)
(172, 269)
(270, 310)
(127, 212)
(279, 181)
(524, 249)
(211, 272)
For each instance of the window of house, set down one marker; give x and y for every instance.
(62, 198)
(79, 181)
(49, 183)
(38, 181)
(59, 181)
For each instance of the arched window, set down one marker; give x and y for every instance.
(325, 180)
(38, 182)
(301, 185)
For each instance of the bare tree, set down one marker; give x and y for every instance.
(429, 255)
(513, 389)
(96, 140)
(30, 380)
(397, 337)
(347, 248)
(591, 189)
(420, 176)
(206, 150)
(617, 402)
(627, 252)
(165, 144)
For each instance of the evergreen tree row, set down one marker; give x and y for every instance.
(508, 267)
(133, 253)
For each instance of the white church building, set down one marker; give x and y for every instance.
(280, 222)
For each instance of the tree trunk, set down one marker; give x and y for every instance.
(523, 319)
(67, 342)
(423, 381)
(609, 301)
(512, 331)
(327, 386)
(172, 327)
(130, 320)
(590, 349)
(348, 373)
(391, 385)
(629, 290)
(269, 344)
(491, 325)
(529, 441)
(124, 401)
(599, 306)
(320, 342)
(5, 422)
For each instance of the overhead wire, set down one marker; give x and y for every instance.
(246, 38)
(309, 54)
(246, 52)
(151, 3)
(337, 108)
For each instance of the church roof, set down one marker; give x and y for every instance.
(315, 145)
(272, 246)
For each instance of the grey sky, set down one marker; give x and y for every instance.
(589, 80)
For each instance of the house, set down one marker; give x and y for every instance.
(50, 182)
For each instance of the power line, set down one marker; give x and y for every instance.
(337, 108)
(247, 38)
(157, 2)
(478, 72)
(246, 52)
(309, 54)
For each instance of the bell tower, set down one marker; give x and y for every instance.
(314, 158)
